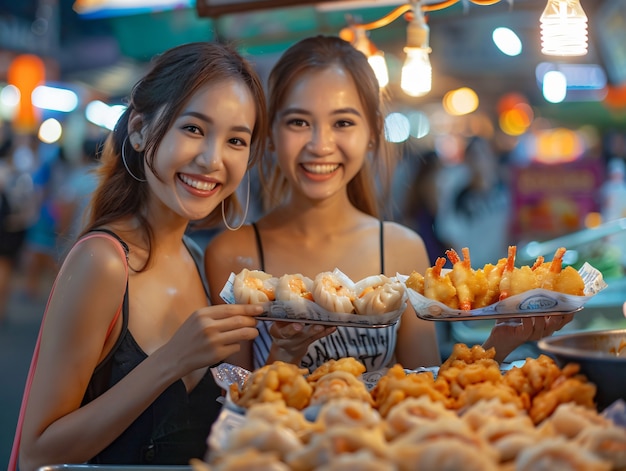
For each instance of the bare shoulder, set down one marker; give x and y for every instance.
(405, 250)
(229, 252)
(99, 254)
(227, 246)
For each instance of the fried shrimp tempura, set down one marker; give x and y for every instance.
(438, 286)
(468, 283)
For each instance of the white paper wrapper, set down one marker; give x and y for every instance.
(534, 302)
(309, 312)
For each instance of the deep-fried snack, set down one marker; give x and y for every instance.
(347, 412)
(339, 384)
(557, 453)
(510, 437)
(607, 442)
(574, 389)
(278, 413)
(438, 286)
(278, 381)
(486, 410)
(415, 281)
(414, 412)
(259, 435)
(569, 281)
(443, 454)
(468, 283)
(396, 385)
(348, 364)
(569, 419)
(325, 447)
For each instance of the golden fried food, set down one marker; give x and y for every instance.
(415, 281)
(348, 411)
(414, 412)
(569, 281)
(339, 384)
(569, 419)
(442, 454)
(348, 364)
(466, 288)
(468, 283)
(327, 446)
(396, 385)
(557, 453)
(278, 381)
(607, 442)
(438, 286)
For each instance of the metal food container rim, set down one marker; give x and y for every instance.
(549, 346)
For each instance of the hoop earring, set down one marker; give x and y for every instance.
(245, 213)
(126, 165)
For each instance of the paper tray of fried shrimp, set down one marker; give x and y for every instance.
(331, 298)
(501, 290)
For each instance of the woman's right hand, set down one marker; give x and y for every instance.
(291, 340)
(213, 333)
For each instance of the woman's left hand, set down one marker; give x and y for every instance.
(507, 336)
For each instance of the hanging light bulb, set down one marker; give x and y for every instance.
(417, 72)
(376, 58)
(563, 29)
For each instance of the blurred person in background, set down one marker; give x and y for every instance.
(75, 193)
(41, 254)
(422, 202)
(18, 209)
(613, 202)
(477, 212)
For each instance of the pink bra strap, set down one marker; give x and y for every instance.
(31, 372)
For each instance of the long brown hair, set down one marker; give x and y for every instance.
(159, 97)
(317, 53)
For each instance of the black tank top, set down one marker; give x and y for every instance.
(175, 427)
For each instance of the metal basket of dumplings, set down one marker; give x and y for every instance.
(601, 356)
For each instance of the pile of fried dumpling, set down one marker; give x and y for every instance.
(331, 290)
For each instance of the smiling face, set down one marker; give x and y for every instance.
(320, 133)
(204, 155)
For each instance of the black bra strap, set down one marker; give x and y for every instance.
(259, 246)
(114, 235)
(382, 248)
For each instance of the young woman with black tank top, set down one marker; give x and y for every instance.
(121, 371)
(326, 187)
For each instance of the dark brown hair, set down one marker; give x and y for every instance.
(159, 97)
(314, 54)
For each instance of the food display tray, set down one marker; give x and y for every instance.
(532, 303)
(305, 311)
